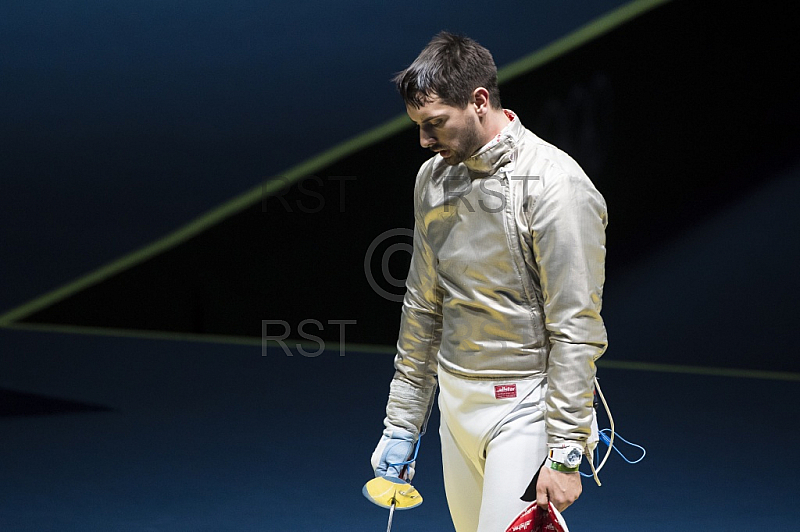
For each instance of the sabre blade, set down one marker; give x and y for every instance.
(391, 514)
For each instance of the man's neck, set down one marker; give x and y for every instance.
(496, 120)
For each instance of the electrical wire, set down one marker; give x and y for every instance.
(608, 440)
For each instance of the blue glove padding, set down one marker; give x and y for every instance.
(395, 447)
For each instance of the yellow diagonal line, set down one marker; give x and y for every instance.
(571, 41)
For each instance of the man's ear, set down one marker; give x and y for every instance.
(480, 99)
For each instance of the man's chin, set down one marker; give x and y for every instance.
(450, 158)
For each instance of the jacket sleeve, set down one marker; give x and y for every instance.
(414, 383)
(568, 232)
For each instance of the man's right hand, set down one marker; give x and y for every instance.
(562, 489)
(395, 447)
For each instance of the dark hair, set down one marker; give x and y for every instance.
(450, 67)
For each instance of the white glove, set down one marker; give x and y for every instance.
(392, 454)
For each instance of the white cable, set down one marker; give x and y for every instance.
(595, 471)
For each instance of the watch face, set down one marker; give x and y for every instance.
(573, 458)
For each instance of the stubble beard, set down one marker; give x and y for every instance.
(471, 143)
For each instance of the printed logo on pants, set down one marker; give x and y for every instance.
(505, 391)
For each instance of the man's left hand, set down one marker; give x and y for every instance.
(562, 489)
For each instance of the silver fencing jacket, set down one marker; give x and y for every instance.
(506, 280)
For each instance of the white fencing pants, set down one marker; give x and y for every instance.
(492, 445)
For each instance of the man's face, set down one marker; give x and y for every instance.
(451, 132)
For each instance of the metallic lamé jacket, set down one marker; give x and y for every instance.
(506, 280)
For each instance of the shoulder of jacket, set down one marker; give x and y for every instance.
(426, 170)
(551, 162)
(543, 169)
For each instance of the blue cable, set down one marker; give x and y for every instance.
(413, 458)
(606, 439)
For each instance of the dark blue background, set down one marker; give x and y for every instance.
(120, 122)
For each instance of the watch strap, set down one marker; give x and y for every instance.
(556, 466)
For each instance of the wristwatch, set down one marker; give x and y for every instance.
(565, 458)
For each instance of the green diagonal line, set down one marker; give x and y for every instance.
(577, 38)
(571, 41)
(208, 219)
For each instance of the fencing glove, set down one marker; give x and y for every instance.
(391, 456)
